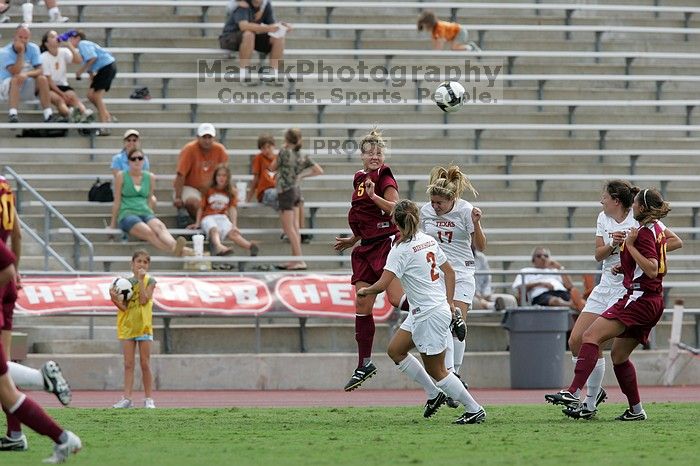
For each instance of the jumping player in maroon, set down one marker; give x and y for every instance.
(374, 196)
(629, 321)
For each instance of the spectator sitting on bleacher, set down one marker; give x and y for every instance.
(54, 64)
(252, 26)
(101, 66)
(21, 75)
(217, 215)
(547, 289)
(195, 168)
(120, 160)
(442, 32)
(51, 6)
(132, 190)
(484, 298)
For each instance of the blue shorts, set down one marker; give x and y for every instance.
(128, 222)
(145, 337)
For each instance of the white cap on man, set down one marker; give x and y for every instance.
(130, 132)
(206, 129)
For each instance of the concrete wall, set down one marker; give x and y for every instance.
(294, 371)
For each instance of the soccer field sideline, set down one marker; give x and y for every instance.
(339, 398)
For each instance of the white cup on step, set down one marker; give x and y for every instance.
(198, 245)
(242, 188)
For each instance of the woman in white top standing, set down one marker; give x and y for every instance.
(613, 223)
(54, 63)
(419, 264)
(456, 225)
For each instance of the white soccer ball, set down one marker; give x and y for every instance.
(449, 96)
(123, 288)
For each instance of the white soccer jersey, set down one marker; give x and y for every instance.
(453, 232)
(417, 265)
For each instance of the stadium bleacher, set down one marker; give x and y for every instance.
(588, 91)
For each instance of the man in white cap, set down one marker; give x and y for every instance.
(195, 168)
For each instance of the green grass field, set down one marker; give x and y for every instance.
(522, 434)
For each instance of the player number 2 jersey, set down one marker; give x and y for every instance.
(453, 232)
(417, 265)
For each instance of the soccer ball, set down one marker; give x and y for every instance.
(449, 96)
(123, 288)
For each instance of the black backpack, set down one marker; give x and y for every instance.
(101, 192)
(43, 133)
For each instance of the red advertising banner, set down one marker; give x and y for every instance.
(309, 295)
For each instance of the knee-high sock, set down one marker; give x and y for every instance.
(594, 383)
(416, 372)
(454, 388)
(14, 427)
(459, 347)
(587, 359)
(449, 352)
(364, 335)
(26, 377)
(627, 378)
(33, 416)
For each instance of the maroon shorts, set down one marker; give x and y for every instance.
(368, 260)
(639, 312)
(8, 296)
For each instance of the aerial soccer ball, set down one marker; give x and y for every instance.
(124, 288)
(449, 96)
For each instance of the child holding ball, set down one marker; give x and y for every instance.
(454, 34)
(135, 328)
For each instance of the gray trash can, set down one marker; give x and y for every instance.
(537, 345)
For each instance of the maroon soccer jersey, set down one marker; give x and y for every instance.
(7, 209)
(651, 242)
(6, 256)
(366, 219)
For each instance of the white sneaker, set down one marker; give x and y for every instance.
(149, 403)
(123, 403)
(58, 19)
(4, 19)
(55, 383)
(61, 451)
(8, 444)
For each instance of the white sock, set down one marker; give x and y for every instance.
(449, 351)
(453, 388)
(458, 355)
(54, 12)
(12, 111)
(47, 113)
(594, 383)
(26, 377)
(416, 372)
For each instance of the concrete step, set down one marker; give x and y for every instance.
(85, 347)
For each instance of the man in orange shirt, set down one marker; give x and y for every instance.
(443, 32)
(195, 169)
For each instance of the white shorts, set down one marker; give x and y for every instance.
(430, 335)
(602, 298)
(27, 92)
(465, 288)
(219, 221)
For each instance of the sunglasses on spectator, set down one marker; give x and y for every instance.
(134, 159)
(542, 255)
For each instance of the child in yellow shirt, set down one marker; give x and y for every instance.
(135, 328)
(443, 32)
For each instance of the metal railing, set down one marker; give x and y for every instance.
(50, 213)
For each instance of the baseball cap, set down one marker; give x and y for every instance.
(206, 129)
(131, 132)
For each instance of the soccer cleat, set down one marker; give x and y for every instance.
(55, 383)
(8, 444)
(452, 403)
(630, 416)
(459, 328)
(61, 451)
(432, 405)
(149, 403)
(562, 397)
(579, 412)
(361, 374)
(602, 396)
(123, 403)
(471, 418)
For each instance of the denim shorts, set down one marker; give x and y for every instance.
(128, 222)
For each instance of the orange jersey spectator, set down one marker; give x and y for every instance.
(454, 35)
(197, 166)
(266, 177)
(218, 201)
(446, 31)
